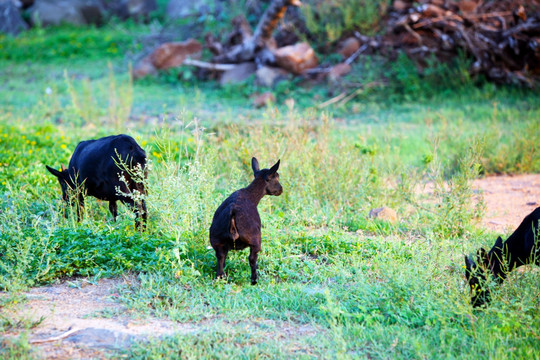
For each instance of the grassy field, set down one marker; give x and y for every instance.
(364, 288)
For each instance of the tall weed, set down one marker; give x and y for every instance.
(330, 20)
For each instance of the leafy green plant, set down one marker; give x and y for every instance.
(330, 20)
(65, 42)
(334, 283)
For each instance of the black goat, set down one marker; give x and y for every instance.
(236, 223)
(521, 248)
(96, 168)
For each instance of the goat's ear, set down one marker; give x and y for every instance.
(254, 165)
(468, 263)
(496, 252)
(499, 243)
(274, 168)
(483, 256)
(55, 172)
(63, 167)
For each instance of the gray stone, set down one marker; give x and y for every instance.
(270, 76)
(76, 12)
(384, 213)
(11, 21)
(124, 9)
(238, 74)
(102, 338)
(179, 9)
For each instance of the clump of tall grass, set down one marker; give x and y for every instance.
(330, 20)
(88, 109)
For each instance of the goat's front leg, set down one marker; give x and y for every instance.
(113, 208)
(137, 209)
(253, 255)
(141, 211)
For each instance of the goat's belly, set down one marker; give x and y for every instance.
(238, 244)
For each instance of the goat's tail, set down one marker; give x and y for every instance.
(232, 228)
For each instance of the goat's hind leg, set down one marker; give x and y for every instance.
(137, 210)
(113, 208)
(141, 210)
(221, 256)
(253, 255)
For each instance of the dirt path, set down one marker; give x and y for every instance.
(83, 320)
(508, 200)
(82, 307)
(92, 312)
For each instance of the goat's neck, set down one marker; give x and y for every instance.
(500, 268)
(256, 190)
(503, 262)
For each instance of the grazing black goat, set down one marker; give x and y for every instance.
(521, 248)
(237, 224)
(97, 167)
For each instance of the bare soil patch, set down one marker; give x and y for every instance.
(81, 321)
(80, 305)
(92, 309)
(508, 200)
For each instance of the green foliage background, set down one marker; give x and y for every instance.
(364, 288)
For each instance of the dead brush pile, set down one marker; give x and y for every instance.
(502, 36)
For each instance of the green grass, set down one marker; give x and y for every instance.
(336, 283)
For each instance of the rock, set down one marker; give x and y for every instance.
(179, 9)
(76, 12)
(167, 56)
(101, 338)
(431, 10)
(338, 71)
(124, 9)
(468, 6)
(383, 213)
(348, 47)
(238, 74)
(11, 21)
(270, 76)
(400, 5)
(173, 54)
(144, 68)
(296, 58)
(263, 99)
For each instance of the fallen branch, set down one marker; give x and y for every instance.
(343, 98)
(55, 338)
(432, 21)
(331, 101)
(208, 65)
(356, 92)
(348, 61)
(354, 55)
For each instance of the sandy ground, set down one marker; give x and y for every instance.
(83, 320)
(508, 200)
(81, 307)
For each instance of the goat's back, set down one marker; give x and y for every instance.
(95, 163)
(247, 219)
(522, 241)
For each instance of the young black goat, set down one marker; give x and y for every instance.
(521, 248)
(236, 223)
(94, 169)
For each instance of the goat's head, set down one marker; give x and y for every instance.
(479, 271)
(66, 183)
(270, 176)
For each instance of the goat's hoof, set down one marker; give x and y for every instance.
(253, 282)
